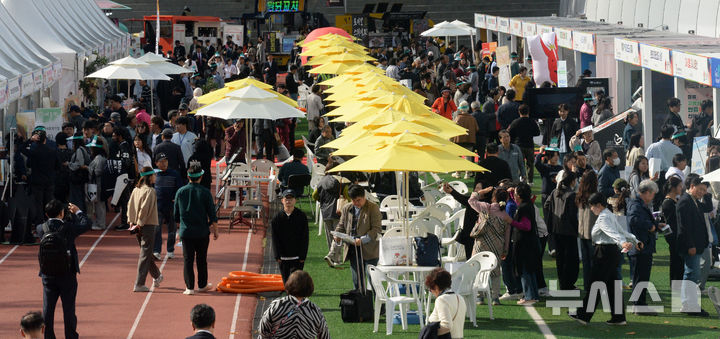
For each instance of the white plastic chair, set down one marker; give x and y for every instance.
(459, 186)
(264, 166)
(431, 195)
(391, 206)
(239, 174)
(438, 211)
(488, 262)
(450, 201)
(422, 226)
(451, 224)
(318, 169)
(455, 250)
(462, 285)
(390, 295)
(394, 232)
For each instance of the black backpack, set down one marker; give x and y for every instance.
(54, 255)
(427, 250)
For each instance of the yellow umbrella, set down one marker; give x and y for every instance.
(237, 84)
(333, 67)
(394, 98)
(347, 108)
(362, 145)
(400, 157)
(221, 93)
(343, 57)
(446, 129)
(326, 38)
(359, 69)
(328, 48)
(340, 79)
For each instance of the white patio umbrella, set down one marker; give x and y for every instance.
(455, 28)
(250, 102)
(713, 176)
(163, 65)
(129, 68)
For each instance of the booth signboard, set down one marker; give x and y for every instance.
(564, 37)
(584, 42)
(281, 6)
(237, 32)
(693, 101)
(3, 93)
(274, 39)
(562, 73)
(51, 118)
(609, 134)
(516, 27)
(503, 25)
(179, 33)
(491, 22)
(360, 28)
(13, 89)
(502, 55)
(48, 76)
(479, 20)
(529, 29)
(26, 85)
(715, 72)
(541, 29)
(692, 67)
(627, 51)
(37, 80)
(699, 155)
(656, 58)
(25, 121)
(592, 85)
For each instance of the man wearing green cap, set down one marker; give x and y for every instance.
(514, 64)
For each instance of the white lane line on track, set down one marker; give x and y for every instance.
(8, 253)
(97, 241)
(544, 329)
(239, 296)
(144, 305)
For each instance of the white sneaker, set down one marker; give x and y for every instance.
(467, 176)
(208, 287)
(157, 256)
(456, 175)
(156, 282)
(544, 292)
(141, 289)
(97, 228)
(508, 296)
(171, 255)
(188, 292)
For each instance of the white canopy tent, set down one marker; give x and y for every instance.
(447, 29)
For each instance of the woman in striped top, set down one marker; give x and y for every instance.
(294, 316)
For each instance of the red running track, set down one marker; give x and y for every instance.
(106, 306)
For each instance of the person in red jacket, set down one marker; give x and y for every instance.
(444, 105)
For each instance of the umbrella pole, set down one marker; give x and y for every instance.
(248, 142)
(406, 206)
(152, 97)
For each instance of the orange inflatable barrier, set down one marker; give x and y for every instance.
(250, 282)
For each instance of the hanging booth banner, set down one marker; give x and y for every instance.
(541, 29)
(26, 85)
(715, 72)
(37, 80)
(57, 71)
(562, 73)
(692, 67)
(503, 25)
(584, 42)
(491, 22)
(656, 58)
(529, 29)
(516, 27)
(48, 76)
(3, 92)
(51, 118)
(13, 89)
(479, 20)
(627, 51)
(564, 37)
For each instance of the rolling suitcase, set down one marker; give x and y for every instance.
(357, 305)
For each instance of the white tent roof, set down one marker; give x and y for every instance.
(447, 29)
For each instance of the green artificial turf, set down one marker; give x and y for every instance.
(511, 320)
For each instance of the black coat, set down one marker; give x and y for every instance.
(290, 237)
(201, 335)
(564, 212)
(471, 217)
(570, 126)
(526, 251)
(174, 155)
(43, 162)
(641, 220)
(73, 227)
(498, 170)
(692, 232)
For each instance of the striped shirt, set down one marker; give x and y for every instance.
(288, 318)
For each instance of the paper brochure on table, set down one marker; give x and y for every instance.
(344, 237)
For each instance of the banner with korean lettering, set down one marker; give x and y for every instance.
(627, 51)
(564, 37)
(3, 93)
(13, 89)
(491, 22)
(542, 29)
(479, 20)
(57, 71)
(503, 25)
(37, 80)
(529, 29)
(656, 58)
(48, 76)
(584, 42)
(516, 27)
(26, 85)
(51, 118)
(692, 67)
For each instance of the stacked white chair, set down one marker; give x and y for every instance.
(488, 262)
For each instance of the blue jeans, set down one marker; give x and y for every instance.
(165, 215)
(692, 274)
(529, 285)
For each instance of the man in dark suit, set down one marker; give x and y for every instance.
(179, 51)
(693, 238)
(644, 227)
(43, 161)
(362, 220)
(172, 151)
(202, 317)
(563, 128)
(270, 69)
(200, 58)
(498, 168)
(63, 286)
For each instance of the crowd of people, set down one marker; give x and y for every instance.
(153, 167)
